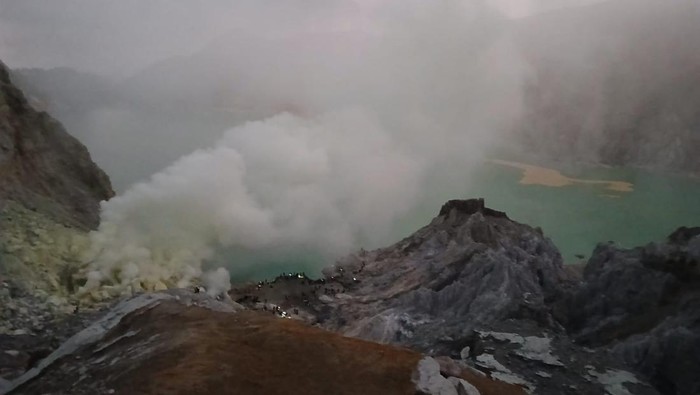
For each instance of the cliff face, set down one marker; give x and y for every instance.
(50, 191)
(44, 168)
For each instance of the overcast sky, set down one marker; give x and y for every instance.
(120, 37)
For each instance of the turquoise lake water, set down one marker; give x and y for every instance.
(575, 217)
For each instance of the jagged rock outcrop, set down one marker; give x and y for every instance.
(470, 267)
(43, 167)
(644, 304)
(478, 287)
(473, 285)
(181, 342)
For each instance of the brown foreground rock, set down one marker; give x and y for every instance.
(185, 343)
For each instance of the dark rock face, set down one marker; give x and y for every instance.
(493, 294)
(470, 267)
(43, 167)
(471, 206)
(50, 191)
(480, 288)
(644, 304)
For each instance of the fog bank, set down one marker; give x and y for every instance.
(364, 121)
(283, 130)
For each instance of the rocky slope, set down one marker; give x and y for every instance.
(493, 294)
(643, 304)
(470, 267)
(50, 192)
(181, 342)
(474, 296)
(44, 168)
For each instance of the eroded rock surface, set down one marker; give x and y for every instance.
(50, 193)
(43, 167)
(469, 268)
(181, 342)
(493, 295)
(478, 297)
(644, 304)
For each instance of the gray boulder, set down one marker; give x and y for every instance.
(644, 304)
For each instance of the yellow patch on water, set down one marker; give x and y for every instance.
(536, 175)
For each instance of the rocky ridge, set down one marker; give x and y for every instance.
(493, 294)
(470, 267)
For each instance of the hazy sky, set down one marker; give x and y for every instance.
(521, 8)
(120, 37)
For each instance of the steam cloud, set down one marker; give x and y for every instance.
(369, 117)
(282, 182)
(313, 126)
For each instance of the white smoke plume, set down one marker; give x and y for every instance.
(411, 99)
(282, 182)
(217, 281)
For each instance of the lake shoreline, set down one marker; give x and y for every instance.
(538, 175)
